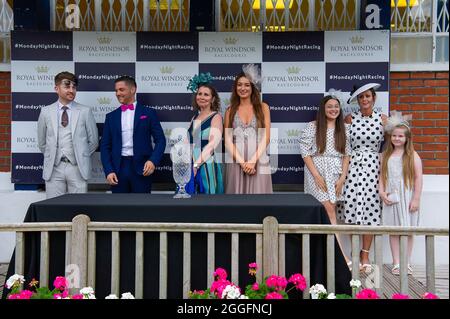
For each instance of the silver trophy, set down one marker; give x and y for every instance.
(181, 156)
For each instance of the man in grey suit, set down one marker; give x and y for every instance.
(67, 135)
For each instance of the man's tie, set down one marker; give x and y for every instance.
(125, 107)
(64, 117)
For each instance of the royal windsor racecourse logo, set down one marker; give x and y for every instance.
(166, 69)
(356, 46)
(42, 69)
(293, 70)
(230, 40)
(104, 40)
(293, 133)
(104, 100)
(356, 40)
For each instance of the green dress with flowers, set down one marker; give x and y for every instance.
(209, 179)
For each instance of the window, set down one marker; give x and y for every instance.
(288, 15)
(123, 15)
(419, 38)
(419, 28)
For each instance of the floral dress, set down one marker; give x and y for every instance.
(328, 164)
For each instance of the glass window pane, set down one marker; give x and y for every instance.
(442, 15)
(442, 49)
(411, 15)
(411, 50)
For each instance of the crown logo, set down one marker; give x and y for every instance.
(42, 69)
(293, 133)
(167, 132)
(104, 100)
(104, 40)
(293, 70)
(166, 69)
(356, 39)
(230, 40)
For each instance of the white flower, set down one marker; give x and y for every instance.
(127, 295)
(354, 283)
(317, 290)
(13, 280)
(231, 292)
(243, 297)
(331, 296)
(88, 293)
(112, 296)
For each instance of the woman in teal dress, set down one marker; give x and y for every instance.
(205, 134)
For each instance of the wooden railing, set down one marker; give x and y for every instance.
(270, 249)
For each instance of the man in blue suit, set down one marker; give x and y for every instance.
(128, 157)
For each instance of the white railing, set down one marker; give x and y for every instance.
(270, 249)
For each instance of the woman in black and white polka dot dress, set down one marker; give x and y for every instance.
(362, 205)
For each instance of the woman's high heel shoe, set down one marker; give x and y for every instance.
(366, 268)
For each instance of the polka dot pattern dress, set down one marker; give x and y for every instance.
(362, 205)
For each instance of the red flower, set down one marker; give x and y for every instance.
(274, 295)
(60, 283)
(367, 294)
(220, 273)
(298, 281)
(429, 295)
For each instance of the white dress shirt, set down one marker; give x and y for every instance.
(127, 131)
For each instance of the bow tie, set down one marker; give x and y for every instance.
(125, 107)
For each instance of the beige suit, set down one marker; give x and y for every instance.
(61, 177)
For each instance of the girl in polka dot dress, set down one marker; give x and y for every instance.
(400, 184)
(325, 150)
(362, 204)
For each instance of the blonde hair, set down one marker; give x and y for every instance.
(407, 158)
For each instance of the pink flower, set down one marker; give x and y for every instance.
(367, 294)
(400, 296)
(200, 292)
(277, 283)
(78, 296)
(274, 295)
(298, 281)
(252, 267)
(220, 273)
(25, 294)
(62, 295)
(60, 283)
(281, 283)
(429, 295)
(255, 286)
(14, 296)
(219, 285)
(271, 281)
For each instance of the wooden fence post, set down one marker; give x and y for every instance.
(79, 251)
(270, 246)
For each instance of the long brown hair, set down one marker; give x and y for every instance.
(407, 158)
(321, 128)
(255, 99)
